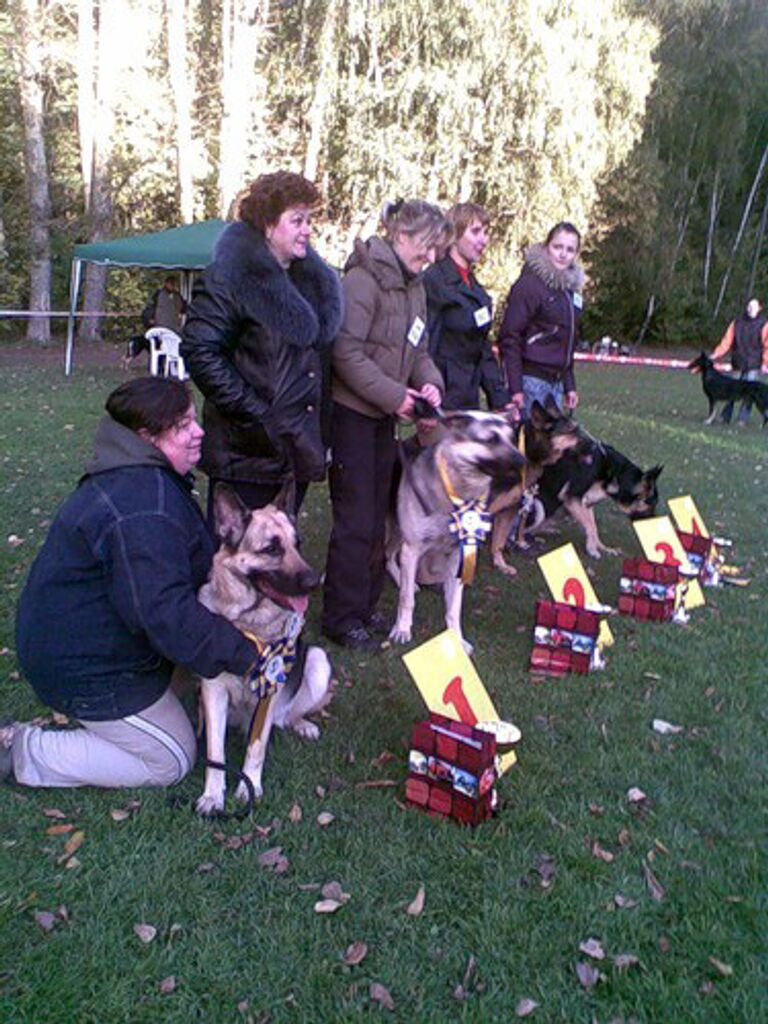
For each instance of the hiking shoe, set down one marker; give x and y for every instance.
(378, 623)
(356, 638)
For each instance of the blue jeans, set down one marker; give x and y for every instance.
(537, 390)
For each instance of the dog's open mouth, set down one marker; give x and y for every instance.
(295, 602)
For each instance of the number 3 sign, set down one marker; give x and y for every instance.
(660, 543)
(450, 685)
(568, 582)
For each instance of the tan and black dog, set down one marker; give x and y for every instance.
(443, 497)
(261, 583)
(546, 437)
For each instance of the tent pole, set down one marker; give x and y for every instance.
(74, 288)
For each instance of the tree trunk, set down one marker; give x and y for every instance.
(714, 207)
(243, 108)
(29, 24)
(86, 98)
(646, 323)
(739, 234)
(99, 208)
(183, 98)
(757, 250)
(324, 88)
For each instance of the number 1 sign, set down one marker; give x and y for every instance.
(450, 685)
(568, 582)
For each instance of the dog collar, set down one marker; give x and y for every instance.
(275, 660)
(470, 522)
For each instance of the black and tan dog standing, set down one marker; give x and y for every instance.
(261, 583)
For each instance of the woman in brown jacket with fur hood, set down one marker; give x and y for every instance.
(541, 324)
(380, 364)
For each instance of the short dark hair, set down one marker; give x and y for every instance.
(154, 404)
(462, 214)
(567, 227)
(267, 198)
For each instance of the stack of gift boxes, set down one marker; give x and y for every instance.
(564, 639)
(452, 770)
(647, 590)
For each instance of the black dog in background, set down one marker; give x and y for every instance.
(719, 387)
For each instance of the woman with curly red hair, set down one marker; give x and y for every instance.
(261, 317)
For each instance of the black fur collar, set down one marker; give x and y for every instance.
(571, 279)
(302, 304)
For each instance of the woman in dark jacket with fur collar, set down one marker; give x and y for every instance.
(541, 324)
(261, 317)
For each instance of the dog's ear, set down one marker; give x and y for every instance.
(653, 473)
(457, 422)
(538, 416)
(231, 516)
(552, 407)
(285, 499)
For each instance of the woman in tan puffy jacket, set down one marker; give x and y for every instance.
(380, 364)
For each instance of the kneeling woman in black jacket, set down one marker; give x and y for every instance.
(110, 605)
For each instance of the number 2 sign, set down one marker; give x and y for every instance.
(660, 543)
(450, 685)
(568, 582)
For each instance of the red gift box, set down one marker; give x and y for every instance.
(699, 551)
(452, 769)
(564, 638)
(648, 590)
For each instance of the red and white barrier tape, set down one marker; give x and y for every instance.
(665, 364)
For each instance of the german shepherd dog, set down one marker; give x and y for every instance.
(548, 435)
(718, 387)
(475, 449)
(594, 471)
(260, 582)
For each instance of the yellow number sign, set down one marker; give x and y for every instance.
(450, 685)
(687, 517)
(568, 582)
(660, 543)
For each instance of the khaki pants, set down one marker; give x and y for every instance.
(155, 747)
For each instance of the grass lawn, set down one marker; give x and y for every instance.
(243, 943)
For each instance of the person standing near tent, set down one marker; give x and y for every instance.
(262, 317)
(165, 308)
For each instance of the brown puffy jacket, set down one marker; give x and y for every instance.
(379, 351)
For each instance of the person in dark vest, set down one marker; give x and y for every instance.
(746, 339)
(460, 314)
(257, 342)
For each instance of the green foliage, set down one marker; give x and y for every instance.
(249, 935)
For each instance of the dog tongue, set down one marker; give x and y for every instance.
(299, 604)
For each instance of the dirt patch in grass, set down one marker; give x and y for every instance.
(22, 353)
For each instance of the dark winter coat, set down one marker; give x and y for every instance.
(110, 603)
(382, 346)
(541, 323)
(459, 323)
(253, 343)
(747, 351)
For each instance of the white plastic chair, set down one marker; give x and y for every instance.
(164, 358)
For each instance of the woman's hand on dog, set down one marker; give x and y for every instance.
(428, 392)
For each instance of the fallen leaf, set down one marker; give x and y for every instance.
(526, 1007)
(54, 812)
(167, 985)
(333, 891)
(660, 846)
(295, 814)
(596, 810)
(624, 838)
(635, 795)
(320, 791)
(145, 932)
(355, 953)
(74, 842)
(665, 728)
(325, 818)
(587, 974)
(601, 854)
(416, 906)
(270, 857)
(652, 675)
(119, 814)
(624, 902)
(381, 995)
(655, 888)
(327, 906)
(45, 920)
(174, 930)
(376, 784)
(664, 944)
(384, 757)
(593, 948)
(622, 961)
(58, 830)
(62, 913)
(707, 989)
(72, 864)
(205, 868)
(545, 869)
(723, 969)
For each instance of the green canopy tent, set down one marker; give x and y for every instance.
(185, 249)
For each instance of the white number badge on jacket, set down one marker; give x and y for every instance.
(482, 316)
(416, 331)
(578, 302)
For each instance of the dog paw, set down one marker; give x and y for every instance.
(306, 729)
(506, 569)
(468, 647)
(400, 636)
(593, 552)
(242, 794)
(209, 806)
